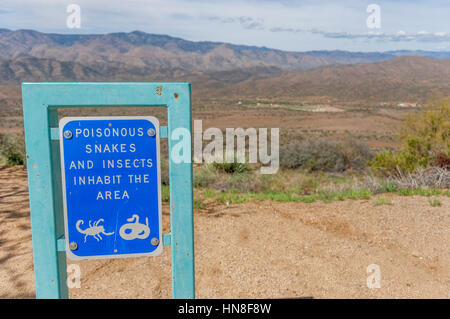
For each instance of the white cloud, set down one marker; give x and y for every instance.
(284, 24)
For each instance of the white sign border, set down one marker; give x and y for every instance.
(63, 121)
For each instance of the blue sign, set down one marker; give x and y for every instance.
(111, 186)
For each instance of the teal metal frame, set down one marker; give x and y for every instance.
(41, 102)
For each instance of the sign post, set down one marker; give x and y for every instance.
(137, 228)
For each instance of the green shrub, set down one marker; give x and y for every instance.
(12, 149)
(427, 133)
(232, 168)
(389, 187)
(199, 205)
(424, 141)
(208, 193)
(390, 164)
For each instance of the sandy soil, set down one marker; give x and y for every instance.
(262, 250)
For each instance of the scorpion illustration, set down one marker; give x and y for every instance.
(94, 230)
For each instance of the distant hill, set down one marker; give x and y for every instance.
(121, 53)
(228, 69)
(161, 51)
(30, 69)
(33, 69)
(400, 79)
(428, 54)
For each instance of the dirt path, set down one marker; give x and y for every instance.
(272, 250)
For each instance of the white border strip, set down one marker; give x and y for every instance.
(152, 120)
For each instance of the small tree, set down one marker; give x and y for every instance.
(423, 137)
(426, 134)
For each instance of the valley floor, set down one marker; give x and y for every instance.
(262, 250)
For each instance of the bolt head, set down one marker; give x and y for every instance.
(151, 132)
(73, 246)
(155, 241)
(68, 134)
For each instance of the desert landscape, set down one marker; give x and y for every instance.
(309, 231)
(261, 250)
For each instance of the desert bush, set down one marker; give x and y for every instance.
(205, 176)
(232, 168)
(431, 178)
(311, 154)
(426, 133)
(12, 149)
(394, 164)
(424, 140)
(214, 177)
(354, 154)
(324, 155)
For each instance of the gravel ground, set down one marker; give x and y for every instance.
(262, 250)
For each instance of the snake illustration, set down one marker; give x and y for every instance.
(138, 230)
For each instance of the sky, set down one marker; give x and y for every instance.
(289, 25)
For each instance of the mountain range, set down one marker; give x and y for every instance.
(402, 79)
(28, 55)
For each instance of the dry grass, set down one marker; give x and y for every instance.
(436, 177)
